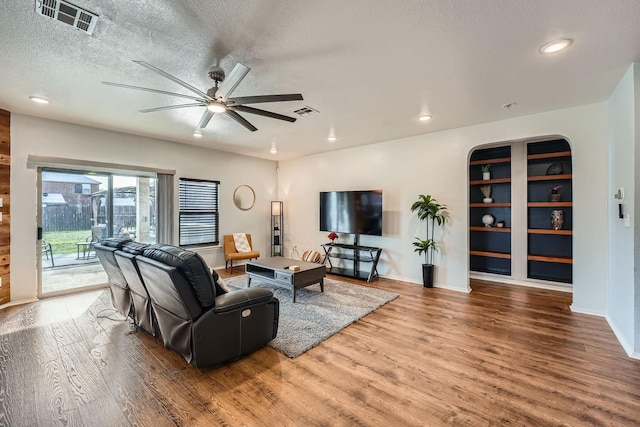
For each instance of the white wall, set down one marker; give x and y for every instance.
(437, 164)
(621, 129)
(33, 136)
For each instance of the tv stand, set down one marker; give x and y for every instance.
(353, 256)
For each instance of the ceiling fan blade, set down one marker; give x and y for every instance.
(238, 118)
(174, 79)
(232, 81)
(204, 120)
(146, 89)
(264, 98)
(172, 107)
(264, 113)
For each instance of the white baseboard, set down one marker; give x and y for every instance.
(628, 348)
(540, 284)
(575, 309)
(13, 303)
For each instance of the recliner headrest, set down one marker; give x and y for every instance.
(191, 265)
(115, 242)
(135, 248)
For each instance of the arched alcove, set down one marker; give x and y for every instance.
(521, 215)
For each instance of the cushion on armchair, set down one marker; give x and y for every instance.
(242, 243)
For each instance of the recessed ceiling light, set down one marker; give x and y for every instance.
(273, 150)
(332, 139)
(197, 133)
(39, 99)
(424, 118)
(556, 46)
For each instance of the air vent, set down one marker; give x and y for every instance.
(305, 111)
(68, 13)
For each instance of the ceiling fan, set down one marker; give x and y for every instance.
(217, 98)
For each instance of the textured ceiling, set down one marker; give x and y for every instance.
(369, 67)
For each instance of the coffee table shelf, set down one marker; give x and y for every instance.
(275, 271)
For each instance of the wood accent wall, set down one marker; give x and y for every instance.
(5, 189)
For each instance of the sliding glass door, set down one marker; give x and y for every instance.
(78, 209)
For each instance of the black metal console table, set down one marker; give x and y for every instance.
(353, 254)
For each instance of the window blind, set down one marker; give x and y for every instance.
(199, 215)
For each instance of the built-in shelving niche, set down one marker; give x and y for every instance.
(549, 251)
(490, 247)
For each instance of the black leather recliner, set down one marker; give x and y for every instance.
(194, 320)
(120, 296)
(142, 312)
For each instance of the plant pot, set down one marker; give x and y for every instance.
(555, 197)
(487, 200)
(486, 176)
(427, 275)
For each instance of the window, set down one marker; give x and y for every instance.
(199, 215)
(82, 188)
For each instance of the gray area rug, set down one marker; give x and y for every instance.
(316, 316)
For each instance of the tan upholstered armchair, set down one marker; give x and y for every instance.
(231, 253)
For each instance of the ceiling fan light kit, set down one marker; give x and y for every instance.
(216, 107)
(217, 99)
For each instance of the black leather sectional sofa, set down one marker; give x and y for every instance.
(171, 293)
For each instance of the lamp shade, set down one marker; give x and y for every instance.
(276, 208)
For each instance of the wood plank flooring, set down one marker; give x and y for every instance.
(501, 355)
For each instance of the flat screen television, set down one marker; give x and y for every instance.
(351, 212)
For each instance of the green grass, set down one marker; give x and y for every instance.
(64, 242)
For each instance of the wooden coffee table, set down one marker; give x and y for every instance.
(276, 271)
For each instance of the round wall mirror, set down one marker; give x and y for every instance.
(244, 197)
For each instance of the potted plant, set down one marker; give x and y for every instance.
(486, 192)
(429, 210)
(554, 194)
(486, 175)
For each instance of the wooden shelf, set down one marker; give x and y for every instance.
(549, 155)
(489, 205)
(549, 231)
(494, 229)
(490, 161)
(490, 181)
(559, 260)
(490, 254)
(550, 204)
(549, 177)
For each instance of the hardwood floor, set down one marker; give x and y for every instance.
(501, 355)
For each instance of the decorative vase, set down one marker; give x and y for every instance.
(488, 220)
(486, 176)
(555, 169)
(555, 197)
(557, 219)
(487, 200)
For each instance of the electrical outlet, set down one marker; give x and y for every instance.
(0, 202)
(0, 281)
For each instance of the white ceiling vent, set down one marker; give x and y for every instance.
(305, 111)
(68, 13)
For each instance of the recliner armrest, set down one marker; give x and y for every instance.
(241, 298)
